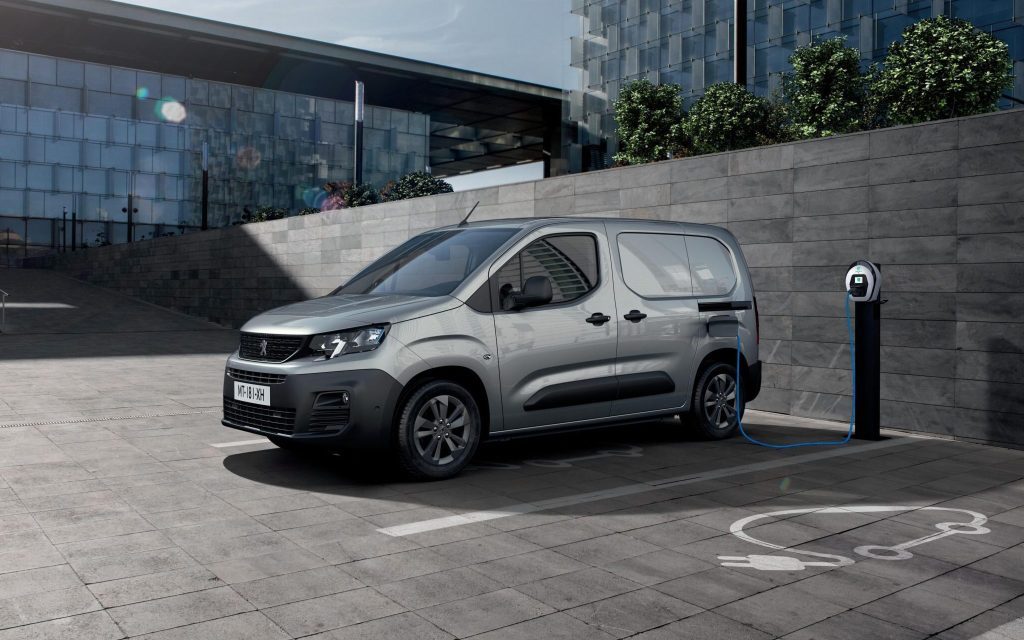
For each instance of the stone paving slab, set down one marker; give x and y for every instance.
(150, 520)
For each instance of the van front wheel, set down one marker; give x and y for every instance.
(713, 407)
(438, 430)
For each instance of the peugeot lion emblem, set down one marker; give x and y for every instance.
(263, 347)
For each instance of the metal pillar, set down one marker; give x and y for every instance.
(739, 42)
(359, 113)
(206, 188)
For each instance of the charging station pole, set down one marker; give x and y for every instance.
(867, 359)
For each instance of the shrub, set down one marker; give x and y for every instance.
(943, 68)
(262, 214)
(825, 93)
(649, 119)
(305, 211)
(414, 185)
(341, 195)
(729, 117)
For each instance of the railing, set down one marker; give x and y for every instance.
(3, 310)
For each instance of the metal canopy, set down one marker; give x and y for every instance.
(478, 121)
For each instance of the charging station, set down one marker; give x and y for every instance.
(864, 286)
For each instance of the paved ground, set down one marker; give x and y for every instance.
(172, 526)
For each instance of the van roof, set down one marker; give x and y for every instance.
(530, 223)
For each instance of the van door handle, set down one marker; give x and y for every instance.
(635, 316)
(597, 319)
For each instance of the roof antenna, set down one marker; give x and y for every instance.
(466, 219)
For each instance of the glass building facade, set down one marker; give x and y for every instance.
(690, 43)
(79, 137)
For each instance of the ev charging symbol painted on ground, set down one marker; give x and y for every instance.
(876, 552)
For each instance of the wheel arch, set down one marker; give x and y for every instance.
(461, 375)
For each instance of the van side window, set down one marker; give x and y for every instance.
(655, 264)
(569, 262)
(711, 266)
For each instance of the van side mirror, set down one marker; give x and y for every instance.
(536, 292)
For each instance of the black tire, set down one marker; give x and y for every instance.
(437, 430)
(712, 408)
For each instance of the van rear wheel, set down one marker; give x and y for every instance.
(438, 430)
(713, 406)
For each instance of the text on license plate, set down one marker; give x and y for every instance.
(254, 393)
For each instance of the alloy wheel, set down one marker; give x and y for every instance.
(719, 401)
(440, 430)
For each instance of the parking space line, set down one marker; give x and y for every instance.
(239, 443)
(473, 517)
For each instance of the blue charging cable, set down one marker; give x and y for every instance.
(853, 411)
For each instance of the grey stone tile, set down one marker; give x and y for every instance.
(1002, 187)
(830, 150)
(914, 139)
(244, 626)
(529, 567)
(634, 612)
(175, 611)
(714, 587)
(656, 567)
(831, 176)
(439, 588)
(92, 626)
(331, 612)
(399, 566)
(606, 549)
(922, 610)
(780, 611)
(265, 566)
(397, 627)
(101, 569)
(705, 625)
(486, 612)
(114, 593)
(851, 625)
(577, 588)
(49, 605)
(300, 585)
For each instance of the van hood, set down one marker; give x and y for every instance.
(346, 311)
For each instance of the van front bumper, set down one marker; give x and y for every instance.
(337, 408)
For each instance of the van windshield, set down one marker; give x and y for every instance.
(430, 264)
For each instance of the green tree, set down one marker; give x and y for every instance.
(414, 185)
(262, 214)
(943, 68)
(648, 118)
(825, 93)
(729, 117)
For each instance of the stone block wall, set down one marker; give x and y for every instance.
(940, 206)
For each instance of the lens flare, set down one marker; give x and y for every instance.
(314, 197)
(248, 158)
(142, 93)
(170, 110)
(784, 485)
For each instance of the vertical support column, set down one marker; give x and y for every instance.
(357, 174)
(205, 206)
(739, 40)
(867, 358)
(74, 225)
(63, 244)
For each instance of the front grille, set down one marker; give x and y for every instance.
(278, 348)
(255, 377)
(271, 419)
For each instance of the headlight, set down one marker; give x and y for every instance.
(339, 343)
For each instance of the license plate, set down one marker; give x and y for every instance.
(254, 393)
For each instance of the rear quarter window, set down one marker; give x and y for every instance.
(711, 266)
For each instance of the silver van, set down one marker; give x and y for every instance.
(503, 328)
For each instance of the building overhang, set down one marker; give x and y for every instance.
(478, 121)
